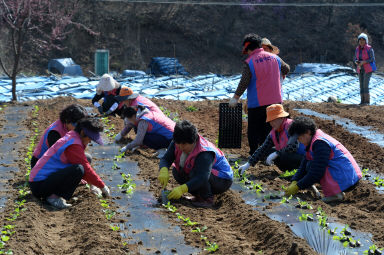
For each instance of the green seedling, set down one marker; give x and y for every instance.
(128, 186)
(332, 231)
(109, 214)
(199, 230)
(285, 199)
(322, 217)
(365, 173)
(4, 238)
(114, 228)
(190, 223)
(203, 237)
(306, 217)
(303, 204)
(211, 247)
(170, 207)
(191, 109)
(345, 230)
(104, 203)
(8, 252)
(373, 250)
(288, 173)
(379, 182)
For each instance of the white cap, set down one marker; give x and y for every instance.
(106, 83)
(364, 36)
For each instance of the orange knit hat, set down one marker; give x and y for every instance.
(275, 111)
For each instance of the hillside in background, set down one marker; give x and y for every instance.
(207, 38)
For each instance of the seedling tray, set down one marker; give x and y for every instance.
(230, 126)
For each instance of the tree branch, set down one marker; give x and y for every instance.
(4, 69)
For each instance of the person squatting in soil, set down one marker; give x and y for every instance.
(67, 122)
(59, 171)
(326, 161)
(284, 150)
(365, 62)
(261, 79)
(199, 166)
(107, 89)
(152, 129)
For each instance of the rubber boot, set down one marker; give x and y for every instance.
(367, 99)
(361, 99)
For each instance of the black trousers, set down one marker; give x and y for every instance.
(258, 129)
(62, 183)
(214, 185)
(288, 161)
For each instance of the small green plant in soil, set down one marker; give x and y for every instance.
(306, 217)
(114, 228)
(345, 230)
(199, 230)
(191, 109)
(287, 173)
(303, 204)
(322, 217)
(170, 207)
(285, 199)
(128, 185)
(373, 250)
(109, 214)
(379, 182)
(365, 173)
(211, 247)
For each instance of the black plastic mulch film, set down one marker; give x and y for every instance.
(230, 126)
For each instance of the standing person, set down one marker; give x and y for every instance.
(108, 88)
(365, 61)
(199, 166)
(152, 129)
(326, 161)
(283, 149)
(130, 99)
(261, 79)
(58, 172)
(67, 122)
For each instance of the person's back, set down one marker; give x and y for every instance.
(265, 87)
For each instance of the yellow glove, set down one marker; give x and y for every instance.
(292, 189)
(177, 192)
(163, 177)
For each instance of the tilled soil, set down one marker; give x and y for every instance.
(232, 224)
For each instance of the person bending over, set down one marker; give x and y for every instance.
(58, 172)
(326, 161)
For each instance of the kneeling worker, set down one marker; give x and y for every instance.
(326, 161)
(287, 152)
(199, 166)
(59, 171)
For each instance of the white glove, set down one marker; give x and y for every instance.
(124, 149)
(271, 158)
(95, 190)
(118, 137)
(244, 168)
(105, 191)
(233, 102)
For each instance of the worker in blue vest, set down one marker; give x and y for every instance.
(326, 161)
(198, 166)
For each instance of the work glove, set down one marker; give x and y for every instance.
(105, 191)
(233, 102)
(177, 192)
(292, 189)
(124, 149)
(118, 137)
(95, 190)
(244, 168)
(163, 177)
(271, 158)
(100, 109)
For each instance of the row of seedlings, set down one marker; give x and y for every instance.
(128, 185)
(19, 204)
(344, 235)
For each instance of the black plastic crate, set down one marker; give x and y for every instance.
(230, 126)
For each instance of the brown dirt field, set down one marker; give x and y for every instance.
(234, 225)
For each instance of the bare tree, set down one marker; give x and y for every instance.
(40, 24)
